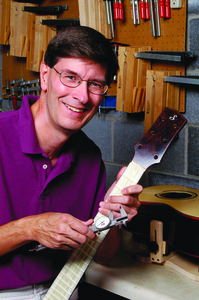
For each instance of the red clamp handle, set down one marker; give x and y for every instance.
(14, 102)
(161, 8)
(167, 9)
(121, 11)
(142, 10)
(147, 11)
(116, 11)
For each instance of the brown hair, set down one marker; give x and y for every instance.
(82, 42)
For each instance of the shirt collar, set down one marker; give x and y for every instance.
(29, 143)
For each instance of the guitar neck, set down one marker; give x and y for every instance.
(73, 270)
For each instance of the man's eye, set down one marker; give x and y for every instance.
(96, 84)
(70, 77)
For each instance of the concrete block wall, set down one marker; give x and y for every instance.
(116, 132)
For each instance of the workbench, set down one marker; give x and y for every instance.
(127, 277)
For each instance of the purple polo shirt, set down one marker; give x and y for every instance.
(28, 186)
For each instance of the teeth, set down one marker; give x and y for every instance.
(74, 109)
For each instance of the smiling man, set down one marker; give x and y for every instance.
(52, 179)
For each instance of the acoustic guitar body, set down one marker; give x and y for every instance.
(177, 207)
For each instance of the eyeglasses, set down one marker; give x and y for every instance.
(73, 80)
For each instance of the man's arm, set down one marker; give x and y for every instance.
(53, 230)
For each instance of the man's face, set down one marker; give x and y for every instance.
(69, 109)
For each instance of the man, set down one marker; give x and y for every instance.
(52, 178)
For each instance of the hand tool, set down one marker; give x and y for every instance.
(105, 222)
(147, 10)
(109, 15)
(107, 12)
(111, 18)
(152, 17)
(49, 10)
(121, 10)
(135, 12)
(157, 17)
(167, 9)
(162, 8)
(102, 223)
(116, 10)
(143, 9)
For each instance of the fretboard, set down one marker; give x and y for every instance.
(73, 270)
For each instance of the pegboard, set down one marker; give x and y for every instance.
(173, 30)
(173, 38)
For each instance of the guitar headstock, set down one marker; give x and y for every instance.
(151, 147)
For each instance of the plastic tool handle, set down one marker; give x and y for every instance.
(147, 10)
(14, 102)
(121, 11)
(142, 10)
(116, 10)
(167, 9)
(161, 7)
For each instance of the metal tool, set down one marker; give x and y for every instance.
(46, 10)
(100, 224)
(157, 17)
(105, 222)
(135, 12)
(152, 17)
(143, 9)
(121, 10)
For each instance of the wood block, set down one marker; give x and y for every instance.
(19, 29)
(43, 35)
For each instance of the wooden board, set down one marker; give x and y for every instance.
(159, 94)
(4, 22)
(131, 82)
(92, 14)
(43, 35)
(19, 29)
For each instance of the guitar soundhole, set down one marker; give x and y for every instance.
(140, 147)
(176, 195)
(156, 156)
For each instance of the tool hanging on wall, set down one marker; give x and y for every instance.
(118, 10)
(135, 12)
(46, 10)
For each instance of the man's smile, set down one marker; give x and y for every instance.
(74, 109)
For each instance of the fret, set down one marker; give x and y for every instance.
(72, 272)
(131, 176)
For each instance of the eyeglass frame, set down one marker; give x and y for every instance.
(88, 81)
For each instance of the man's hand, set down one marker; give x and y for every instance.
(53, 230)
(128, 200)
(60, 231)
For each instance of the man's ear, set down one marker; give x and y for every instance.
(43, 76)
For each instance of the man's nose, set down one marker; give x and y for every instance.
(82, 92)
